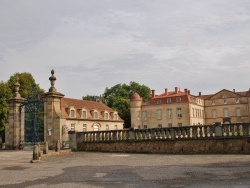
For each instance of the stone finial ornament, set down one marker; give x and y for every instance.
(17, 87)
(52, 81)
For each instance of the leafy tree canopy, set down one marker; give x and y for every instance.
(118, 98)
(7, 90)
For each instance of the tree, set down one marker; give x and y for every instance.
(7, 89)
(5, 93)
(26, 82)
(93, 98)
(118, 98)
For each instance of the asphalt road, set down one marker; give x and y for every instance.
(111, 170)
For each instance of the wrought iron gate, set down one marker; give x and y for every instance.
(33, 109)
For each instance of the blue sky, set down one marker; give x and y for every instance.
(94, 44)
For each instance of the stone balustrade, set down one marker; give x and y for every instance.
(173, 133)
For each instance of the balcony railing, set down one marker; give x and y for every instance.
(173, 133)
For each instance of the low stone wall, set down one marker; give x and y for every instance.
(186, 146)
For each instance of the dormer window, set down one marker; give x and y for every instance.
(115, 117)
(158, 101)
(178, 99)
(72, 113)
(168, 100)
(95, 115)
(106, 115)
(84, 114)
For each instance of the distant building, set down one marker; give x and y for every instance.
(83, 115)
(227, 106)
(180, 108)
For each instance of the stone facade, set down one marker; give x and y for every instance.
(14, 130)
(180, 108)
(169, 109)
(65, 114)
(199, 146)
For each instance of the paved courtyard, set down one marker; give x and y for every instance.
(86, 169)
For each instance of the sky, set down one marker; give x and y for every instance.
(201, 45)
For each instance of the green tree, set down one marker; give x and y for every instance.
(118, 98)
(93, 98)
(5, 93)
(26, 82)
(7, 90)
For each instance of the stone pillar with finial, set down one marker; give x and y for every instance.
(52, 114)
(14, 130)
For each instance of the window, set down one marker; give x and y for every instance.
(96, 128)
(213, 102)
(72, 113)
(168, 100)
(72, 127)
(179, 124)
(107, 127)
(214, 113)
(159, 125)
(84, 114)
(169, 113)
(170, 125)
(196, 113)
(178, 99)
(106, 115)
(144, 115)
(158, 101)
(193, 112)
(95, 115)
(84, 127)
(238, 114)
(115, 117)
(179, 113)
(237, 100)
(159, 114)
(225, 112)
(145, 126)
(224, 101)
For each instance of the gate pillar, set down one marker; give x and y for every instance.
(14, 130)
(53, 120)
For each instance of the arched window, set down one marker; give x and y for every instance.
(96, 127)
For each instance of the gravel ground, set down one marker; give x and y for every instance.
(86, 169)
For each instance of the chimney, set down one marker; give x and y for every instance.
(176, 89)
(153, 93)
(166, 91)
(234, 90)
(186, 90)
(199, 94)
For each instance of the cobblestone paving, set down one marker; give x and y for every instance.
(111, 170)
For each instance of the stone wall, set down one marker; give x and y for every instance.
(189, 146)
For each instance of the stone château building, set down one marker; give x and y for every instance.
(180, 108)
(65, 114)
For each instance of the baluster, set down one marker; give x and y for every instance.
(245, 129)
(194, 132)
(149, 134)
(200, 132)
(227, 130)
(184, 132)
(238, 130)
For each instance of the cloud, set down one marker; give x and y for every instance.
(201, 45)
